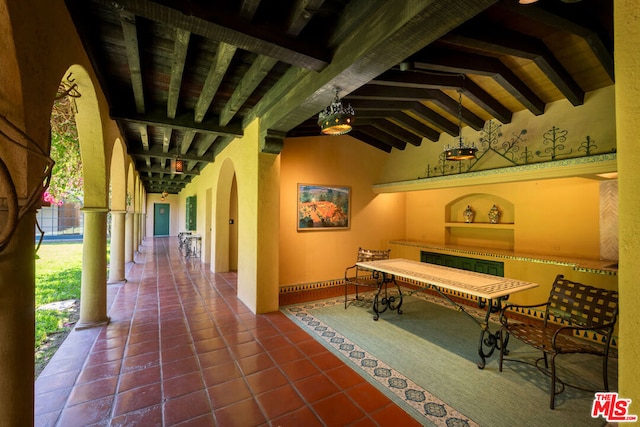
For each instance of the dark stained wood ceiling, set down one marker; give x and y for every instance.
(184, 78)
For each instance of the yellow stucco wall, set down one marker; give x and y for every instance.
(311, 256)
(257, 175)
(550, 217)
(627, 39)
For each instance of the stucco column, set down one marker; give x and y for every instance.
(143, 226)
(136, 231)
(139, 222)
(116, 267)
(17, 323)
(93, 292)
(128, 238)
(627, 62)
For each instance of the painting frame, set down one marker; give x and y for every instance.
(323, 207)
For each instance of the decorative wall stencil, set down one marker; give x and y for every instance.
(555, 139)
(516, 150)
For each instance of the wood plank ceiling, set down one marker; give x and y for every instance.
(184, 78)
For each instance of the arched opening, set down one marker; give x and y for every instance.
(93, 294)
(233, 226)
(226, 221)
(129, 208)
(118, 196)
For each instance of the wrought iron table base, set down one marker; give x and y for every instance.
(386, 301)
(489, 341)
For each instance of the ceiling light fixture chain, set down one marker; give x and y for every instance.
(461, 151)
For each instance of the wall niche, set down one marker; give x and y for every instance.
(480, 233)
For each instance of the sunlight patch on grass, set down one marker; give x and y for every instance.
(58, 278)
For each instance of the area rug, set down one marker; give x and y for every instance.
(426, 358)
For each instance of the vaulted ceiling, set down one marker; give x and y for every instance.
(184, 78)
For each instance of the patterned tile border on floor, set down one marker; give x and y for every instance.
(424, 403)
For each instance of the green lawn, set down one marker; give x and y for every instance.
(58, 277)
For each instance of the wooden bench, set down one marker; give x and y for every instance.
(358, 276)
(572, 308)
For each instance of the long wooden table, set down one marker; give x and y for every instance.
(490, 291)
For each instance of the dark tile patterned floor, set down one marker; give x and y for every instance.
(181, 349)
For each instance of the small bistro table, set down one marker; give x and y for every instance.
(490, 290)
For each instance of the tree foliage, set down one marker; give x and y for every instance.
(66, 180)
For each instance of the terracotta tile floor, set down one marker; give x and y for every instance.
(181, 349)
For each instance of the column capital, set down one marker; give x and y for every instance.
(94, 210)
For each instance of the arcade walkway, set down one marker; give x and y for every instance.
(181, 349)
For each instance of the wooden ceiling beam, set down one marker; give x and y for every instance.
(301, 14)
(418, 79)
(182, 121)
(217, 70)
(398, 93)
(206, 21)
(521, 46)
(248, 8)
(256, 73)
(144, 136)
(157, 153)
(600, 49)
(416, 107)
(382, 136)
(408, 122)
(467, 63)
(205, 144)
(362, 54)
(263, 64)
(175, 179)
(186, 141)
(370, 140)
(167, 132)
(130, 31)
(157, 169)
(393, 130)
(180, 47)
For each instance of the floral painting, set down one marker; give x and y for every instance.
(322, 207)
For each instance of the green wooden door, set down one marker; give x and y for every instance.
(161, 219)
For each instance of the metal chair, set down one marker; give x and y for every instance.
(572, 309)
(358, 276)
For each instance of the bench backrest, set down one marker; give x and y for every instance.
(582, 305)
(372, 255)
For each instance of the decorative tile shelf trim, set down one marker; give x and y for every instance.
(583, 265)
